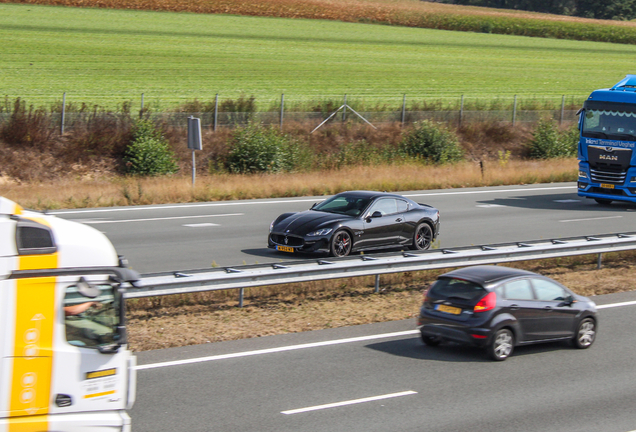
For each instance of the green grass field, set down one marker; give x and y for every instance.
(107, 56)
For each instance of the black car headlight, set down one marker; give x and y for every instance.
(320, 232)
(271, 226)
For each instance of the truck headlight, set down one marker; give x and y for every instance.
(582, 174)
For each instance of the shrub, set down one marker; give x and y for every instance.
(549, 143)
(432, 142)
(26, 126)
(256, 149)
(149, 153)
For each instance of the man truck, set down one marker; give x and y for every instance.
(64, 362)
(607, 161)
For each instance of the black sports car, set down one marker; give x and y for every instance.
(356, 221)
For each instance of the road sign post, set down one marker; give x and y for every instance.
(194, 141)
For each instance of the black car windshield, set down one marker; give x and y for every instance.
(450, 288)
(343, 204)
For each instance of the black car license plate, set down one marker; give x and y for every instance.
(285, 248)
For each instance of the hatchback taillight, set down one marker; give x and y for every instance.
(487, 303)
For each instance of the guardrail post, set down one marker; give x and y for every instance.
(241, 294)
(598, 261)
(377, 283)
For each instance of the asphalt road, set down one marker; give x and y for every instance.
(380, 377)
(188, 236)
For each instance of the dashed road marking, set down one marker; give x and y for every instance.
(590, 219)
(349, 402)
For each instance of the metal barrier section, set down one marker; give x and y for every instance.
(368, 265)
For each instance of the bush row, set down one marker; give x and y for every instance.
(142, 147)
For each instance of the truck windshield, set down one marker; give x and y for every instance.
(92, 322)
(609, 121)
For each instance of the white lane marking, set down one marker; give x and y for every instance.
(566, 201)
(92, 222)
(312, 345)
(278, 349)
(613, 305)
(221, 204)
(590, 219)
(200, 225)
(490, 205)
(349, 402)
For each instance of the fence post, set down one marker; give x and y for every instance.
(403, 109)
(141, 110)
(514, 111)
(63, 113)
(344, 109)
(377, 283)
(282, 109)
(461, 111)
(562, 109)
(216, 111)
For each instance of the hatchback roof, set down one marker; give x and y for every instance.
(485, 275)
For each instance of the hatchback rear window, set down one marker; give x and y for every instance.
(459, 289)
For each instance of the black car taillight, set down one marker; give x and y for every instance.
(487, 303)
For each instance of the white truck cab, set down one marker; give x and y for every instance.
(64, 362)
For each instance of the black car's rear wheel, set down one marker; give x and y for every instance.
(422, 237)
(502, 345)
(340, 244)
(431, 340)
(585, 333)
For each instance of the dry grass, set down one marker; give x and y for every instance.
(85, 191)
(210, 317)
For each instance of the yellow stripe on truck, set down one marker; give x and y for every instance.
(33, 350)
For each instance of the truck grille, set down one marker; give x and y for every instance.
(291, 240)
(606, 176)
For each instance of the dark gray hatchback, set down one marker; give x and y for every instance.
(499, 308)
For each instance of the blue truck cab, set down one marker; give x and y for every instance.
(607, 160)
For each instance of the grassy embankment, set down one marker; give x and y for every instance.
(105, 57)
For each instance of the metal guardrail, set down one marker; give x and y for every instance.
(241, 277)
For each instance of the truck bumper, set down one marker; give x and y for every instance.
(99, 421)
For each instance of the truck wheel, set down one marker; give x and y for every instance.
(602, 201)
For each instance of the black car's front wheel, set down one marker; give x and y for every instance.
(422, 237)
(340, 244)
(585, 333)
(502, 344)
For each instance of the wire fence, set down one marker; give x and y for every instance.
(495, 109)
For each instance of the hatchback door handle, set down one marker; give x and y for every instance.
(548, 308)
(514, 307)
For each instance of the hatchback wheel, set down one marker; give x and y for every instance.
(431, 340)
(585, 334)
(502, 345)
